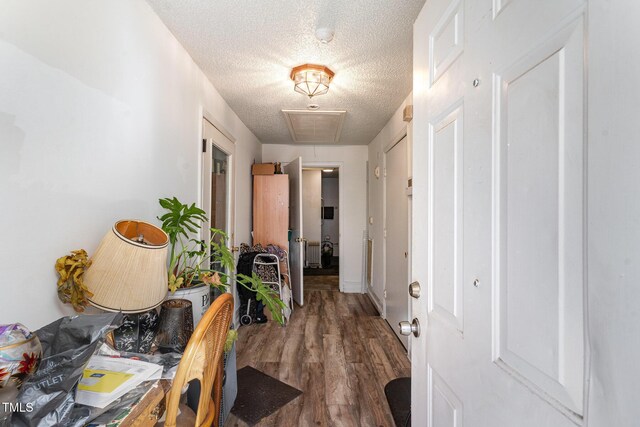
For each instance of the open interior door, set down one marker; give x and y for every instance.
(296, 248)
(498, 215)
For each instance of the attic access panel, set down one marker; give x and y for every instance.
(314, 126)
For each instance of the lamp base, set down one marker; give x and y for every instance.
(137, 332)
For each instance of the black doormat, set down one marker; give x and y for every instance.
(398, 394)
(260, 395)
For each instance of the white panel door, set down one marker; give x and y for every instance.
(296, 248)
(397, 237)
(497, 213)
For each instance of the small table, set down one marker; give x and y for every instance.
(147, 410)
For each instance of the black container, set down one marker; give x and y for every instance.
(176, 326)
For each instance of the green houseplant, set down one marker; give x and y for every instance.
(191, 263)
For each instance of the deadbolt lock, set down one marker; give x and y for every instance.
(414, 290)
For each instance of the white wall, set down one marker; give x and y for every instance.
(352, 160)
(311, 195)
(394, 128)
(100, 115)
(330, 227)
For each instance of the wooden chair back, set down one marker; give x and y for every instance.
(202, 360)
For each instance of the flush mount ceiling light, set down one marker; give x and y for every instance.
(311, 79)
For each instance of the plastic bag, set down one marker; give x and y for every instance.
(67, 345)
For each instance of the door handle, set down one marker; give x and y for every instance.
(407, 328)
(414, 290)
(234, 249)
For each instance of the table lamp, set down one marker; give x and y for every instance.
(128, 273)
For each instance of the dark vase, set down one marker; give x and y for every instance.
(137, 332)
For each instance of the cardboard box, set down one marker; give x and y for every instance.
(263, 169)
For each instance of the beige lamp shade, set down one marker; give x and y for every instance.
(128, 272)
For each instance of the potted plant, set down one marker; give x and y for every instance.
(181, 222)
(194, 268)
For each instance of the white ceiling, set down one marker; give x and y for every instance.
(247, 50)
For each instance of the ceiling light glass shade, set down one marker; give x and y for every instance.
(311, 79)
(128, 272)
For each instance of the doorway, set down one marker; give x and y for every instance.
(321, 204)
(217, 181)
(218, 186)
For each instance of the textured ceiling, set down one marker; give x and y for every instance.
(247, 49)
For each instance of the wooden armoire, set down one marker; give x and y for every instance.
(271, 210)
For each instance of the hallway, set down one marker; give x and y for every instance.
(337, 350)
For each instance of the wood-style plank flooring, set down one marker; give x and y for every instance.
(337, 350)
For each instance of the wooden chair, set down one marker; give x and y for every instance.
(202, 360)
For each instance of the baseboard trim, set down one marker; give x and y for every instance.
(351, 287)
(374, 300)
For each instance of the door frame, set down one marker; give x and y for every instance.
(340, 166)
(229, 148)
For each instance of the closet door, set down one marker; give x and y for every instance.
(396, 237)
(271, 210)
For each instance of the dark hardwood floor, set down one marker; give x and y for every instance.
(337, 350)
